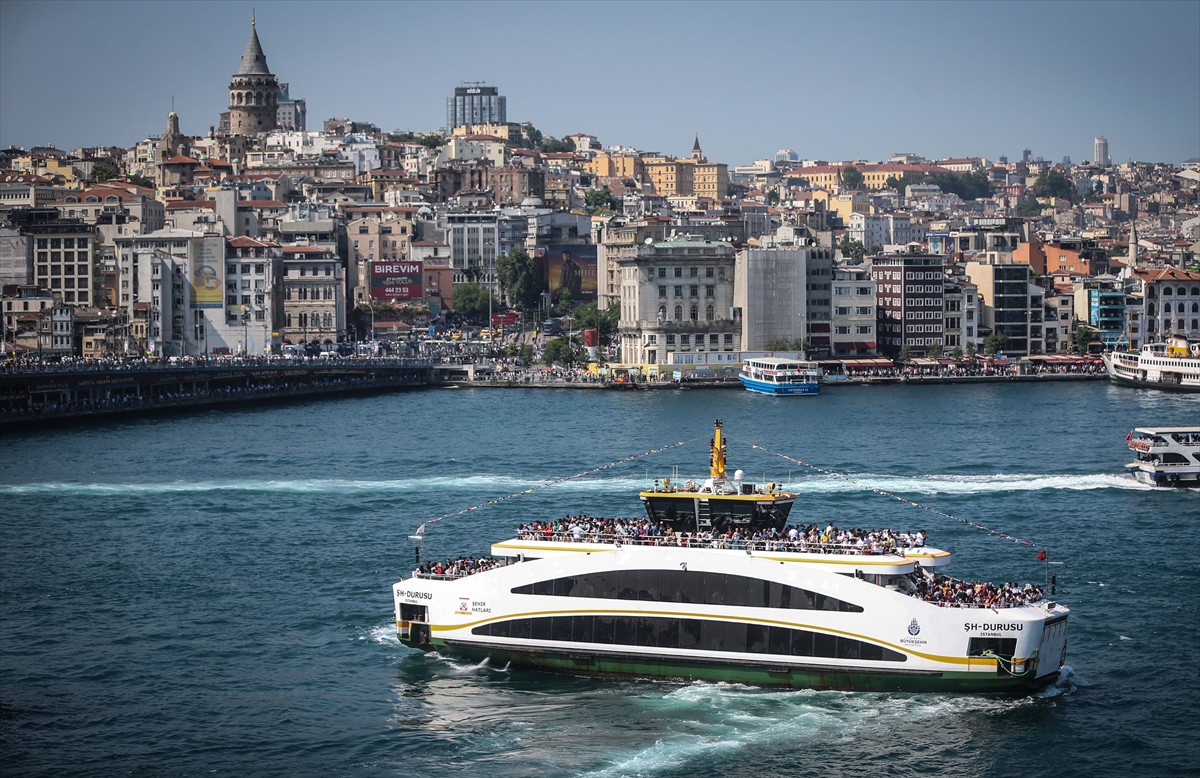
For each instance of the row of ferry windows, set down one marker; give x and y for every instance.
(697, 634)
(691, 587)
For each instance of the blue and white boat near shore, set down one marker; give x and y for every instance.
(780, 376)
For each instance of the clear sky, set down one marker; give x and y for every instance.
(851, 80)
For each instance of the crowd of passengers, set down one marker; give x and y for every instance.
(943, 590)
(644, 531)
(456, 568)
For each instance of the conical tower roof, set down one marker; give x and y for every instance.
(254, 62)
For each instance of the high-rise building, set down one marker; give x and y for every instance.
(475, 104)
(253, 92)
(1100, 152)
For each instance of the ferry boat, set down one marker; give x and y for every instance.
(712, 585)
(772, 375)
(1173, 364)
(1165, 456)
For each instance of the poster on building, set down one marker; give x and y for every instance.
(207, 262)
(396, 280)
(572, 268)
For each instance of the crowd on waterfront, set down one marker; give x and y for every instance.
(977, 370)
(947, 591)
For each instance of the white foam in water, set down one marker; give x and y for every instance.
(384, 635)
(492, 487)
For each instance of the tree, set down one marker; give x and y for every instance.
(139, 180)
(560, 351)
(471, 300)
(602, 201)
(563, 302)
(901, 183)
(968, 186)
(773, 197)
(903, 358)
(972, 350)
(995, 343)
(103, 171)
(852, 248)
(1053, 183)
(588, 317)
(851, 177)
(777, 344)
(935, 351)
(1084, 336)
(1029, 207)
(520, 279)
(958, 354)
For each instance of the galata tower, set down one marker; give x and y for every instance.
(253, 92)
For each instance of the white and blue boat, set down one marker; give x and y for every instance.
(775, 375)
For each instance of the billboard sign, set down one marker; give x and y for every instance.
(572, 267)
(207, 262)
(396, 280)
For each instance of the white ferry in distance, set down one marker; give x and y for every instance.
(774, 375)
(712, 585)
(1165, 456)
(1173, 365)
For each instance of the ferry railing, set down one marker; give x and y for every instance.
(701, 540)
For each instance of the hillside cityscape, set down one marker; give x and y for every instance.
(265, 237)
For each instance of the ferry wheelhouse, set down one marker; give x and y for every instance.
(771, 375)
(1173, 364)
(1165, 456)
(713, 585)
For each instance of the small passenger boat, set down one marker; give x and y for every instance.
(1165, 456)
(713, 584)
(778, 376)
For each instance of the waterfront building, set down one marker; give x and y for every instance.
(853, 320)
(177, 274)
(476, 103)
(385, 237)
(56, 253)
(312, 284)
(676, 296)
(782, 294)
(252, 304)
(909, 299)
(253, 91)
(1010, 303)
(474, 240)
(1100, 302)
(960, 315)
(1167, 302)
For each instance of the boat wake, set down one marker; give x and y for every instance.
(707, 720)
(475, 485)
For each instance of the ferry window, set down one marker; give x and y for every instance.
(802, 642)
(540, 629)
(779, 640)
(689, 633)
(848, 648)
(756, 638)
(1005, 647)
(520, 628)
(564, 586)
(824, 645)
(582, 629)
(605, 629)
(647, 631)
(543, 587)
(625, 633)
(649, 586)
(692, 588)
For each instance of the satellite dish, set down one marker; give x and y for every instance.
(648, 241)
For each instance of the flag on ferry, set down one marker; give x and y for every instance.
(1042, 555)
(1129, 436)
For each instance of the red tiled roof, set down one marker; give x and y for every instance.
(246, 242)
(182, 160)
(181, 205)
(1166, 274)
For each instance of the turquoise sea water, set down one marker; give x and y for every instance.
(210, 593)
